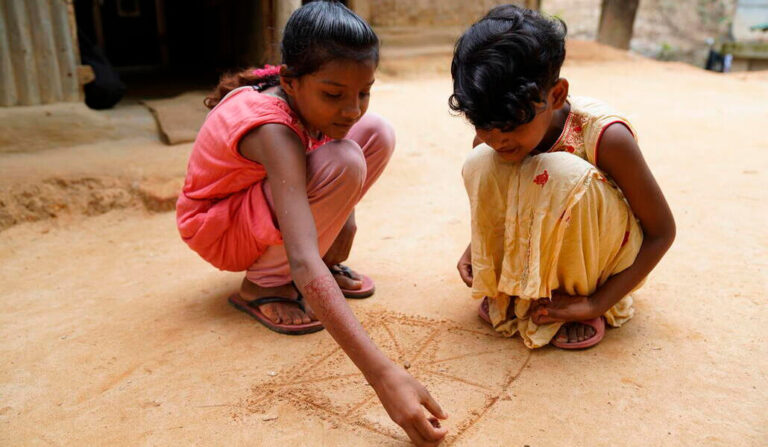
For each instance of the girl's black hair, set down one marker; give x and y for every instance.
(316, 33)
(321, 31)
(504, 65)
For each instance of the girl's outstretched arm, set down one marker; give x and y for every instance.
(620, 158)
(282, 154)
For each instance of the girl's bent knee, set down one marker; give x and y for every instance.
(374, 131)
(338, 160)
(560, 164)
(479, 161)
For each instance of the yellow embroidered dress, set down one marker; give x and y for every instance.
(550, 222)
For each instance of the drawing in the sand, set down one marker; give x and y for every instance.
(441, 354)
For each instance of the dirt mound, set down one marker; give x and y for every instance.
(29, 202)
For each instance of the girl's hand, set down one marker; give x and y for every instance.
(403, 398)
(465, 266)
(339, 250)
(563, 308)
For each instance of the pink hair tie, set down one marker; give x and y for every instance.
(268, 70)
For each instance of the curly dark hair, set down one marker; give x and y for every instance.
(504, 65)
(316, 33)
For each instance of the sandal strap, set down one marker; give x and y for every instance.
(278, 299)
(341, 269)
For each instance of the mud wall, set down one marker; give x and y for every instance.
(664, 29)
(432, 12)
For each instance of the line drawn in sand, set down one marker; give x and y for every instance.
(466, 370)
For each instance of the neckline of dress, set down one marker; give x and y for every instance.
(566, 128)
(294, 116)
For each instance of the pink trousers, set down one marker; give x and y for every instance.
(339, 174)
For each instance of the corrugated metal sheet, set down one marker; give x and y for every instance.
(39, 57)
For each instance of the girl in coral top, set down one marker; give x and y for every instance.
(275, 173)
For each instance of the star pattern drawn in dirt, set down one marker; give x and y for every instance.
(465, 369)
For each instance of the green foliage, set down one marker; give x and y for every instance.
(667, 52)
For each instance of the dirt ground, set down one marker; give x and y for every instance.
(115, 333)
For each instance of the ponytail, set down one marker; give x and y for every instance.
(260, 78)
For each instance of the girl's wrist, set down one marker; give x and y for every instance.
(377, 369)
(599, 304)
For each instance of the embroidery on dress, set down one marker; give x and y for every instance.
(542, 178)
(572, 138)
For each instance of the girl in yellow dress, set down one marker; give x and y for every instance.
(567, 218)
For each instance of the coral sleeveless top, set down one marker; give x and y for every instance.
(222, 213)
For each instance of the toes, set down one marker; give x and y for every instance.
(310, 313)
(573, 334)
(562, 334)
(348, 283)
(270, 311)
(580, 332)
(283, 314)
(297, 316)
(304, 318)
(356, 276)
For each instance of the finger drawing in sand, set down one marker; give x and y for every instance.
(277, 168)
(567, 218)
(441, 354)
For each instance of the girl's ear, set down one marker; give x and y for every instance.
(287, 83)
(559, 93)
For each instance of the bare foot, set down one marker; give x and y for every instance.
(278, 312)
(574, 332)
(344, 280)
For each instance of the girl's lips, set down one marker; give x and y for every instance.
(507, 151)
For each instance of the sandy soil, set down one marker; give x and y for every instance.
(114, 333)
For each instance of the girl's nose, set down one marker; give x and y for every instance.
(495, 138)
(352, 110)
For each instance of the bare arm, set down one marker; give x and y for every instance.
(621, 159)
(282, 154)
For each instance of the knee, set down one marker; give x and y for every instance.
(338, 161)
(375, 132)
(562, 167)
(479, 162)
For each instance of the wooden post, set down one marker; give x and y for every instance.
(361, 8)
(617, 18)
(283, 10)
(162, 33)
(533, 4)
